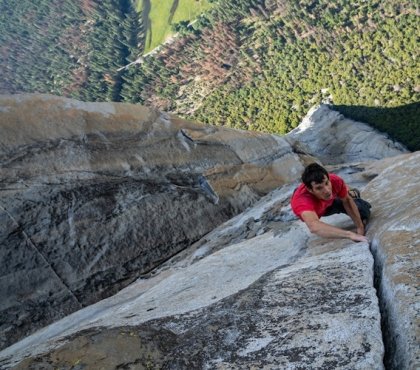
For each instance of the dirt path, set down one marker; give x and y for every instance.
(174, 7)
(147, 24)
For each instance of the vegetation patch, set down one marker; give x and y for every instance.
(261, 65)
(249, 64)
(162, 17)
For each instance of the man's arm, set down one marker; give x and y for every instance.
(328, 231)
(353, 212)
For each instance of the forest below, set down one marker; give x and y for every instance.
(248, 64)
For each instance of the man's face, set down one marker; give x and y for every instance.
(322, 190)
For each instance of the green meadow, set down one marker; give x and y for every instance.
(159, 16)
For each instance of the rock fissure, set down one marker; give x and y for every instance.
(393, 339)
(386, 329)
(395, 234)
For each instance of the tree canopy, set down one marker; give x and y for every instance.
(249, 64)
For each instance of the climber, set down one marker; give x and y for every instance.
(324, 194)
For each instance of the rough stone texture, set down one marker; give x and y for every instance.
(257, 292)
(94, 194)
(332, 138)
(395, 233)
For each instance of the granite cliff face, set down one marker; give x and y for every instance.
(95, 194)
(257, 291)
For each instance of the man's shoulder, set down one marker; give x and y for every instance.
(302, 201)
(299, 191)
(301, 194)
(334, 177)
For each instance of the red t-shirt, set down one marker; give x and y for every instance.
(303, 200)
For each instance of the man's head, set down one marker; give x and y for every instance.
(317, 181)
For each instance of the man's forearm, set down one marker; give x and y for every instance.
(328, 231)
(352, 210)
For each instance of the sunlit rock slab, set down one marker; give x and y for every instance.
(332, 138)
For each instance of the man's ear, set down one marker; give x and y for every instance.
(309, 189)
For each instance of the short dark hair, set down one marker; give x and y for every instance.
(314, 173)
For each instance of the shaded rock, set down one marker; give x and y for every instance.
(92, 195)
(332, 138)
(395, 234)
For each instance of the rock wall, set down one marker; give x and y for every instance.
(258, 291)
(395, 234)
(333, 138)
(92, 195)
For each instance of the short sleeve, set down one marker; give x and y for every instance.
(300, 204)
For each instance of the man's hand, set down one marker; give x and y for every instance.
(359, 238)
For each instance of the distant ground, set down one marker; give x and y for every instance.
(250, 64)
(160, 15)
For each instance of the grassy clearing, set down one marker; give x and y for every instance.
(190, 9)
(160, 15)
